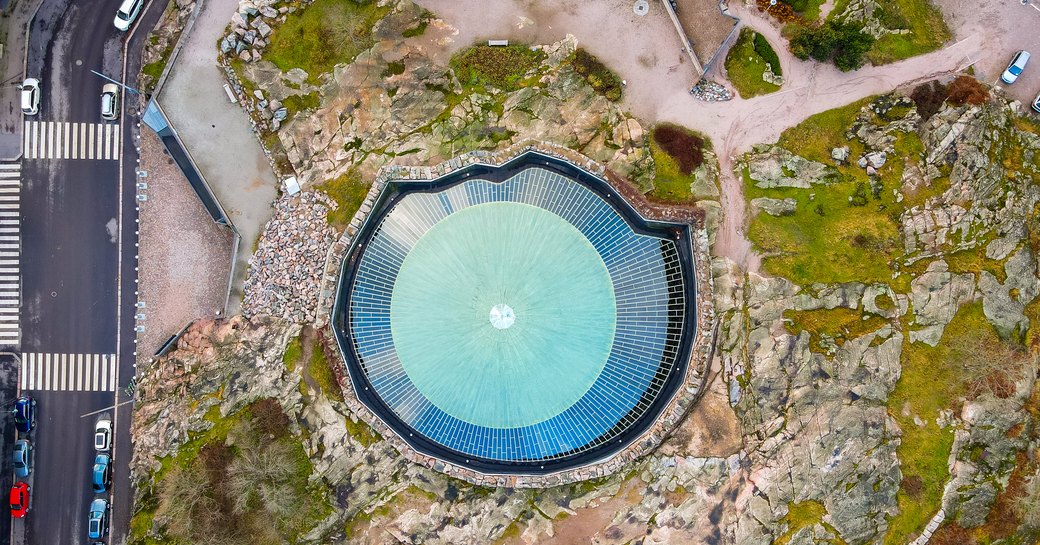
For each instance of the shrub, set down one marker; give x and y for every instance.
(596, 74)
(929, 98)
(766, 51)
(967, 90)
(845, 43)
(797, 5)
(500, 67)
(684, 146)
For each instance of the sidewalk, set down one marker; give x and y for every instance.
(12, 28)
(218, 135)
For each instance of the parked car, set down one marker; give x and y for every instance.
(30, 96)
(103, 435)
(127, 13)
(24, 414)
(101, 477)
(1015, 68)
(19, 500)
(97, 519)
(110, 102)
(1036, 103)
(22, 458)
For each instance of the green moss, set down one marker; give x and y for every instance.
(808, 9)
(299, 103)
(931, 380)
(292, 355)
(349, 191)
(840, 324)
(884, 302)
(417, 30)
(927, 29)
(745, 65)
(800, 515)
(393, 69)
(511, 532)
(321, 371)
(324, 34)
(362, 432)
(499, 67)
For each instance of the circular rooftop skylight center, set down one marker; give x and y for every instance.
(454, 309)
(502, 316)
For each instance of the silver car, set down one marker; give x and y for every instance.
(1015, 67)
(110, 102)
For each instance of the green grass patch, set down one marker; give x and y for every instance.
(828, 239)
(802, 515)
(676, 151)
(840, 324)
(597, 75)
(299, 103)
(745, 65)
(324, 34)
(809, 9)
(816, 136)
(321, 371)
(932, 380)
(349, 191)
(927, 33)
(499, 67)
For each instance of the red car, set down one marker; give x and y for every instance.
(19, 500)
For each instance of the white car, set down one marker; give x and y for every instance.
(1036, 103)
(110, 102)
(30, 96)
(1015, 68)
(128, 12)
(103, 435)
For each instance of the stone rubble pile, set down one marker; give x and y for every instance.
(285, 272)
(710, 91)
(250, 28)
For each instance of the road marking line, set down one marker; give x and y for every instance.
(25, 141)
(117, 152)
(108, 140)
(34, 131)
(100, 140)
(57, 138)
(74, 148)
(79, 372)
(94, 371)
(112, 372)
(102, 374)
(65, 130)
(90, 140)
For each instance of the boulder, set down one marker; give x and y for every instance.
(775, 207)
(269, 12)
(263, 28)
(841, 155)
(876, 159)
(247, 8)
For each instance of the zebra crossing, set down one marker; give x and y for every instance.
(64, 140)
(10, 253)
(68, 372)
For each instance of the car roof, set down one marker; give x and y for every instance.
(26, 99)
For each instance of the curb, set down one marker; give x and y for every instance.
(185, 32)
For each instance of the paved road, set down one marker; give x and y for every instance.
(77, 264)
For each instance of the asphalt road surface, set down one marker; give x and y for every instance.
(78, 261)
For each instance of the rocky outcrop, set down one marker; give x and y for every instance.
(777, 167)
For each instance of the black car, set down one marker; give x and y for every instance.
(24, 414)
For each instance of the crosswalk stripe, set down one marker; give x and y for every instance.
(10, 251)
(77, 372)
(69, 140)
